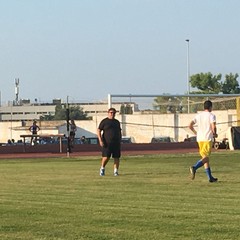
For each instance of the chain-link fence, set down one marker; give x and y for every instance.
(172, 103)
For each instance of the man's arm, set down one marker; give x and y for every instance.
(191, 127)
(214, 129)
(120, 135)
(100, 137)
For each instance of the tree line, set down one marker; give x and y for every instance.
(75, 112)
(207, 83)
(201, 83)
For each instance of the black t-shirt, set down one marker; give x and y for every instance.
(111, 130)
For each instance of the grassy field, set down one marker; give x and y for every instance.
(152, 198)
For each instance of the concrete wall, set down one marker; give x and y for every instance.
(140, 126)
(144, 127)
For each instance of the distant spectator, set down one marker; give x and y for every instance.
(23, 123)
(34, 130)
(187, 139)
(83, 140)
(73, 129)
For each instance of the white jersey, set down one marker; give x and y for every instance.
(203, 121)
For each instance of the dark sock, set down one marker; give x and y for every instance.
(209, 174)
(198, 164)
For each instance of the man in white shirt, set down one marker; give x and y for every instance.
(206, 132)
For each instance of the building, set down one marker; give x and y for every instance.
(27, 111)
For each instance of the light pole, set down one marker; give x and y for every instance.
(68, 129)
(188, 74)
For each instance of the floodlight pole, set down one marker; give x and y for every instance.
(188, 74)
(68, 130)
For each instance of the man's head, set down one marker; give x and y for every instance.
(111, 113)
(208, 105)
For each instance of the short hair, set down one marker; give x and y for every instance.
(207, 105)
(112, 109)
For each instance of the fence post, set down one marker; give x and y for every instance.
(109, 101)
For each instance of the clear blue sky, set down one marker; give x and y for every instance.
(86, 49)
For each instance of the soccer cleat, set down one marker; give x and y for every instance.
(102, 172)
(115, 174)
(213, 179)
(192, 172)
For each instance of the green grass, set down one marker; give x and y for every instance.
(153, 199)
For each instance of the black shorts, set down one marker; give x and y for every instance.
(72, 134)
(113, 150)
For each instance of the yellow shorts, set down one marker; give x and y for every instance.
(205, 148)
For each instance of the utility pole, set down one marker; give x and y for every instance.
(188, 74)
(68, 130)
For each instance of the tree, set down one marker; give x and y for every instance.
(169, 104)
(161, 104)
(126, 109)
(60, 112)
(230, 85)
(75, 112)
(206, 82)
(48, 117)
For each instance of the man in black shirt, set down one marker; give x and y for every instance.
(109, 134)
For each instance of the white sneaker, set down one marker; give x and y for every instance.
(102, 172)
